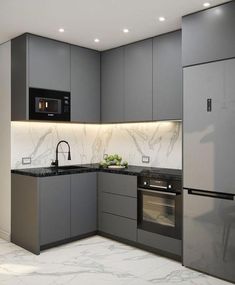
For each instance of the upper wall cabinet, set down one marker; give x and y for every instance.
(85, 85)
(49, 64)
(167, 77)
(138, 81)
(112, 85)
(209, 35)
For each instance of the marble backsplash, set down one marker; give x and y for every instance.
(162, 141)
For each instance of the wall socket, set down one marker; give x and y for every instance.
(26, 160)
(145, 159)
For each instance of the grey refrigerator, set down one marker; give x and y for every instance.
(209, 168)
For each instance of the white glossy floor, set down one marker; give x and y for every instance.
(94, 261)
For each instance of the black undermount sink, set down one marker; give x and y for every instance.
(68, 167)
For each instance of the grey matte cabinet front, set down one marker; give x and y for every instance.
(209, 35)
(138, 81)
(54, 207)
(85, 85)
(112, 85)
(83, 203)
(167, 77)
(117, 205)
(120, 227)
(48, 63)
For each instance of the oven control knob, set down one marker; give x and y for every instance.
(169, 186)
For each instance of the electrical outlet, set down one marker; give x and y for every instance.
(145, 159)
(26, 160)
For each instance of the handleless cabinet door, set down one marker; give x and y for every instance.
(83, 203)
(138, 81)
(85, 85)
(49, 64)
(209, 35)
(54, 197)
(167, 77)
(112, 85)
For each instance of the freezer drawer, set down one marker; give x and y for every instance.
(209, 233)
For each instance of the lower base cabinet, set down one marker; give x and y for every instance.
(159, 242)
(54, 208)
(120, 227)
(48, 210)
(117, 205)
(83, 204)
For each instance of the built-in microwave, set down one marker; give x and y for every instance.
(49, 105)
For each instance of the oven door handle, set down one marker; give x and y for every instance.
(156, 191)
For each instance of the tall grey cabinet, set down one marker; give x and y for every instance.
(167, 77)
(112, 85)
(138, 81)
(85, 85)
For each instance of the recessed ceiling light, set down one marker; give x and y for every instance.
(161, 19)
(61, 30)
(206, 4)
(125, 31)
(96, 40)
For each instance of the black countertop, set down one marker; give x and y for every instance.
(131, 170)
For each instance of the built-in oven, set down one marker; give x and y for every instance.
(49, 105)
(160, 204)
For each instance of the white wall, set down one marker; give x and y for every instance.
(5, 145)
(162, 141)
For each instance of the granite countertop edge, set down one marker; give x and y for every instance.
(86, 168)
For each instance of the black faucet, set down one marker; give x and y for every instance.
(56, 162)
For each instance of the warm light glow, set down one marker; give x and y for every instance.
(125, 31)
(206, 4)
(96, 40)
(61, 30)
(161, 19)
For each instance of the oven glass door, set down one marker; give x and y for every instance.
(159, 209)
(160, 212)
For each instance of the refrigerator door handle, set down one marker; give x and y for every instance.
(211, 194)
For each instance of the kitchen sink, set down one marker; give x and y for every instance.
(68, 167)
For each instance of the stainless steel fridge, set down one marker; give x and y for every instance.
(209, 168)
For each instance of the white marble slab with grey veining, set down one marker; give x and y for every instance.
(161, 141)
(95, 260)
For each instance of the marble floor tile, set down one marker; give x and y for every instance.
(94, 260)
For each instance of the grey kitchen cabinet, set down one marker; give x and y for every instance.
(83, 203)
(47, 210)
(160, 242)
(112, 85)
(85, 85)
(138, 81)
(209, 126)
(120, 184)
(120, 227)
(54, 208)
(117, 205)
(49, 63)
(209, 35)
(167, 77)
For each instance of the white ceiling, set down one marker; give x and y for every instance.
(84, 20)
